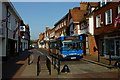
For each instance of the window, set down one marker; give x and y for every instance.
(103, 3)
(9, 23)
(59, 25)
(16, 23)
(64, 22)
(89, 9)
(98, 21)
(108, 17)
(64, 31)
(93, 8)
(72, 29)
(118, 9)
(82, 26)
(71, 20)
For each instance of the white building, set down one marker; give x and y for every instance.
(25, 37)
(9, 30)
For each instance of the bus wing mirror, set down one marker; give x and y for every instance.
(58, 48)
(61, 43)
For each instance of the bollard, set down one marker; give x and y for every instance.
(52, 61)
(65, 69)
(109, 58)
(58, 66)
(38, 66)
(29, 59)
(48, 64)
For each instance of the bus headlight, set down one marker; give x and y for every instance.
(64, 55)
(81, 54)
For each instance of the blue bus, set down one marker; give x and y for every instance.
(67, 47)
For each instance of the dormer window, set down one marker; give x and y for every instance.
(104, 2)
(89, 9)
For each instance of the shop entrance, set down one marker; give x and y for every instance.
(11, 47)
(117, 47)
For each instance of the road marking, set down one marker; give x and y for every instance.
(40, 52)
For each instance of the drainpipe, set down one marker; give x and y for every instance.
(7, 34)
(98, 51)
(19, 41)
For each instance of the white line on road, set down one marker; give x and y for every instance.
(40, 52)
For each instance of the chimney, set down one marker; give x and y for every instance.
(76, 8)
(47, 28)
(83, 5)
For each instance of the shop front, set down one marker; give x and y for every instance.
(110, 44)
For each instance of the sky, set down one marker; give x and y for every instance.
(41, 14)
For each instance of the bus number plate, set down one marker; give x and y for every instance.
(73, 57)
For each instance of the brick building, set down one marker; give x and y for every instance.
(40, 41)
(106, 33)
(75, 15)
(52, 33)
(87, 28)
(61, 26)
(96, 22)
(44, 38)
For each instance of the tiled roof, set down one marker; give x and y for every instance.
(93, 4)
(77, 14)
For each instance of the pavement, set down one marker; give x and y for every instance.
(18, 68)
(103, 61)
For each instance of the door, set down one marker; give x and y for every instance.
(112, 47)
(101, 48)
(117, 47)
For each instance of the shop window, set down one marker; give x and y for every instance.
(112, 47)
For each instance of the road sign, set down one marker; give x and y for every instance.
(22, 28)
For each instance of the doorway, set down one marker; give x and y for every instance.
(117, 47)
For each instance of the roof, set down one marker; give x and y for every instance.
(93, 4)
(8, 3)
(60, 19)
(77, 14)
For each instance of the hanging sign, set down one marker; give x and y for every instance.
(22, 28)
